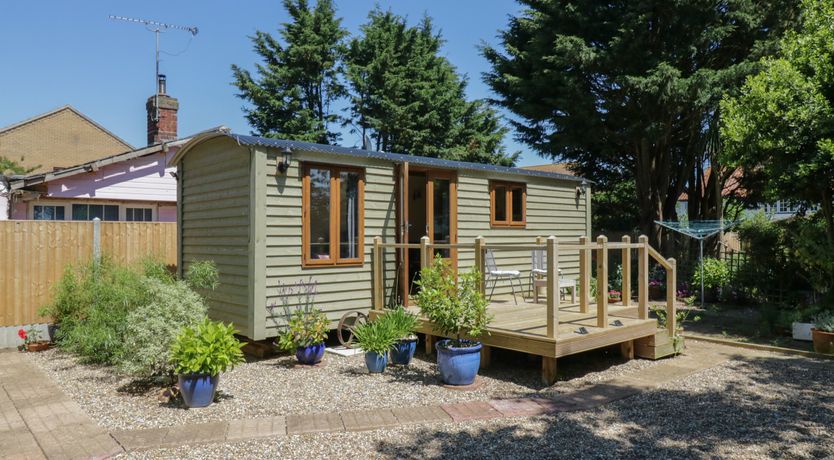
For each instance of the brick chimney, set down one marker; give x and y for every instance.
(162, 115)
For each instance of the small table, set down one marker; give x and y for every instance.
(563, 284)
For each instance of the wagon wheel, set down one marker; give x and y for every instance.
(349, 320)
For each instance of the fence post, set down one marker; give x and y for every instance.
(97, 239)
(643, 278)
(671, 288)
(552, 287)
(378, 283)
(626, 287)
(479, 263)
(602, 282)
(424, 253)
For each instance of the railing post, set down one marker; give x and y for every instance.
(584, 275)
(97, 239)
(602, 281)
(479, 263)
(540, 240)
(671, 288)
(552, 287)
(424, 253)
(377, 268)
(626, 287)
(643, 278)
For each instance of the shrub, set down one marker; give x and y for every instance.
(403, 322)
(378, 336)
(157, 270)
(825, 322)
(303, 329)
(202, 274)
(152, 327)
(454, 308)
(206, 348)
(716, 274)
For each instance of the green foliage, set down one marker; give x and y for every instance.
(825, 322)
(681, 315)
(298, 79)
(409, 98)
(202, 274)
(716, 274)
(9, 167)
(378, 336)
(403, 322)
(152, 326)
(157, 270)
(615, 207)
(206, 348)
(645, 78)
(304, 328)
(454, 309)
(780, 128)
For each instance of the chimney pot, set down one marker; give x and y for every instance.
(161, 84)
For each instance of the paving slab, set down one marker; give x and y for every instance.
(518, 407)
(368, 419)
(256, 428)
(314, 423)
(475, 410)
(421, 414)
(600, 394)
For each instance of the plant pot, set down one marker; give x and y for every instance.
(614, 299)
(802, 331)
(656, 293)
(823, 341)
(198, 390)
(403, 351)
(40, 345)
(311, 354)
(376, 362)
(458, 365)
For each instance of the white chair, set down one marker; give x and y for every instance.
(494, 274)
(539, 271)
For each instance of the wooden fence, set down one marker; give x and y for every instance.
(34, 254)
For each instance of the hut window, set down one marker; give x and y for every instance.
(333, 220)
(508, 204)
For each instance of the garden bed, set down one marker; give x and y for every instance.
(277, 386)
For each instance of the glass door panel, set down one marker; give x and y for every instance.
(441, 231)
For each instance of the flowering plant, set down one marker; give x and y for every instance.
(655, 282)
(30, 336)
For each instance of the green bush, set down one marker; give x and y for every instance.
(378, 336)
(202, 274)
(152, 327)
(304, 328)
(403, 322)
(207, 348)
(716, 274)
(825, 322)
(455, 309)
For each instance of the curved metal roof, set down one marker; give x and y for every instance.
(243, 139)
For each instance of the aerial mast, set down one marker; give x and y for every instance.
(156, 27)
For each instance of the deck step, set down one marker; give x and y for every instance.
(657, 346)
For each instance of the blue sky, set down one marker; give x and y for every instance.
(58, 52)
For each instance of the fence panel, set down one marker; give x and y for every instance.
(34, 254)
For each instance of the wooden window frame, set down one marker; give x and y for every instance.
(508, 202)
(335, 196)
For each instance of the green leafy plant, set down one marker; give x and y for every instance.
(304, 325)
(825, 322)
(681, 318)
(207, 348)
(455, 309)
(716, 274)
(202, 274)
(378, 336)
(403, 322)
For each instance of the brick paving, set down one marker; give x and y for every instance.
(38, 421)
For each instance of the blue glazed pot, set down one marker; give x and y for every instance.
(458, 365)
(197, 390)
(403, 351)
(376, 362)
(310, 354)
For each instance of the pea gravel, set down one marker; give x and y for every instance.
(752, 407)
(277, 387)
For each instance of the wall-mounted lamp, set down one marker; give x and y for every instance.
(284, 165)
(582, 188)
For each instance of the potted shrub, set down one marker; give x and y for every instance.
(32, 340)
(376, 339)
(305, 333)
(823, 333)
(455, 309)
(614, 295)
(200, 354)
(404, 324)
(656, 289)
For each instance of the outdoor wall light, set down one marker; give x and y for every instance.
(284, 165)
(582, 189)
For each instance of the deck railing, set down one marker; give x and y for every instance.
(553, 248)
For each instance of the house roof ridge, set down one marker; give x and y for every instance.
(57, 110)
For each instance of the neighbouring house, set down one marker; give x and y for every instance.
(558, 168)
(112, 181)
(273, 212)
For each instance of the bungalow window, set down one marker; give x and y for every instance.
(508, 204)
(333, 215)
(91, 211)
(138, 214)
(49, 212)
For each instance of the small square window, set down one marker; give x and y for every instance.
(138, 214)
(48, 212)
(508, 204)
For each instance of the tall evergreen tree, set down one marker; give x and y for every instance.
(630, 89)
(298, 80)
(408, 98)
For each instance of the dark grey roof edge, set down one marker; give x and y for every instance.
(248, 140)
